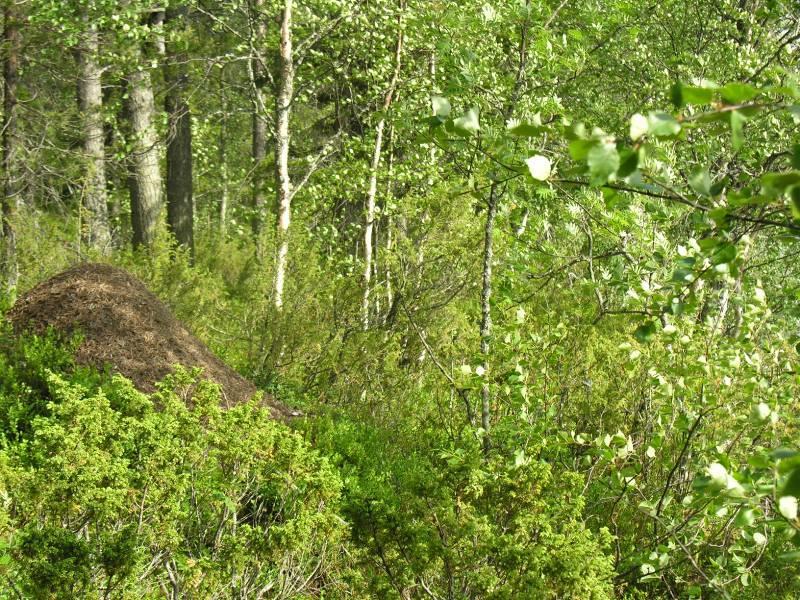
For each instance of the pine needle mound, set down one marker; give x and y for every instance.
(125, 326)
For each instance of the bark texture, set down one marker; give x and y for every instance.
(96, 231)
(259, 124)
(283, 113)
(372, 191)
(486, 312)
(180, 202)
(144, 177)
(11, 145)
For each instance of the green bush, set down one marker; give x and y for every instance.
(435, 514)
(107, 492)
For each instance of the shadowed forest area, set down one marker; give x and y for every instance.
(516, 281)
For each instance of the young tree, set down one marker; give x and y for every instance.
(283, 105)
(369, 223)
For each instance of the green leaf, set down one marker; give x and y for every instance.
(745, 517)
(691, 94)
(796, 156)
(579, 149)
(780, 181)
(663, 124)
(629, 162)
(683, 275)
(467, 124)
(708, 244)
(676, 95)
(575, 132)
(527, 130)
(700, 181)
(737, 120)
(719, 216)
(783, 453)
(789, 464)
(697, 95)
(794, 196)
(714, 116)
(603, 161)
(725, 253)
(441, 106)
(738, 93)
(645, 332)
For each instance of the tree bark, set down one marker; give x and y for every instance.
(284, 192)
(259, 124)
(180, 202)
(96, 231)
(486, 312)
(369, 224)
(11, 187)
(389, 226)
(488, 251)
(144, 178)
(223, 158)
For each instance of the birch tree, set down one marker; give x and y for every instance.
(369, 223)
(289, 58)
(283, 102)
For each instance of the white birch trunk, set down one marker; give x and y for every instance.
(370, 221)
(373, 177)
(283, 112)
(389, 234)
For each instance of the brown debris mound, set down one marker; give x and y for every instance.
(127, 327)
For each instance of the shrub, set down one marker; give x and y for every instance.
(109, 492)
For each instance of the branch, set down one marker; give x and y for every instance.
(461, 391)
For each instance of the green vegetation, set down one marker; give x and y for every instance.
(111, 492)
(528, 268)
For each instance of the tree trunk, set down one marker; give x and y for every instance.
(389, 225)
(283, 111)
(144, 178)
(223, 158)
(180, 204)
(486, 312)
(370, 221)
(488, 251)
(96, 231)
(12, 39)
(259, 125)
(373, 174)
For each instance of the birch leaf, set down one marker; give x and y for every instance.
(539, 166)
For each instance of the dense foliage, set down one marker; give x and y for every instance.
(108, 492)
(529, 269)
